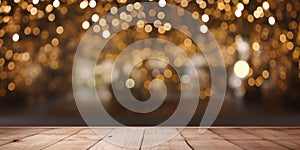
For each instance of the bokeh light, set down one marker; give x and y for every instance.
(259, 40)
(241, 68)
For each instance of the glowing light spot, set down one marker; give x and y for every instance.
(161, 15)
(25, 56)
(124, 26)
(106, 34)
(234, 81)
(250, 18)
(290, 45)
(152, 12)
(51, 17)
(157, 23)
(102, 22)
(148, 28)
(15, 37)
(140, 24)
(114, 10)
(129, 7)
(187, 42)
(168, 73)
(95, 17)
(128, 18)
(240, 6)
(186, 79)
(115, 22)
(2, 61)
(282, 75)
(33, 11)
(129, 83)
(8, 55)
(238, 13)
(35, 2)
(167, 26)
(162, 3)
(11, 65)
(195, 15)
(96, 28)
(56, 3)
(251, 81)
(59, 30)
(85, 25)
(265, 5)
(203, 4)
(282, 38)
(84, 4)
(6, 9)
(161, 30)
(49, 8)
(178, 62)
(265, 74)
(55, 41)
(255, 46)
(137, 5)
(203, 28)
(205, 18)
(241, 68)
(122, 1)
(11, 86)
(92, 4)
(271, 20)
(246, 2)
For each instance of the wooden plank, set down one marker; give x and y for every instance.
(206, 140)
(6, 130)
(105, 145)
(172, 144)
(292, 131)
(16, 135)
(271, 134)
(40, 140)
(233, 134)
(62, 131)
(257, 144)
(81, 140)
(163, 138)
(100, 132)
(214, 138)
(212, 144)
(291, 144)
(121, 138)
(193, 133)
(20, 133)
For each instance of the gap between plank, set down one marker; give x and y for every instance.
(265, 138)
(63, 138)
(186, 142)
(14, 139)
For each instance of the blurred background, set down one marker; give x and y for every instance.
(259, 40)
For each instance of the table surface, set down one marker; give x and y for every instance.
(141, 138)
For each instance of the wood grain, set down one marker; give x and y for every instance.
(40, 140)
(70, 138)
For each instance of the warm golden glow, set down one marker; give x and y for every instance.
(241, 68)
(130, 83)
(38, 39)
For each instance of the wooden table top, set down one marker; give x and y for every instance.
(55, 138)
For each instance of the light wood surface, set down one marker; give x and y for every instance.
(73, 138)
